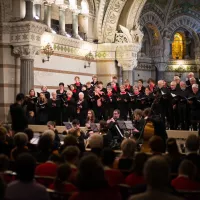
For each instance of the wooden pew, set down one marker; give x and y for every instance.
(180, 134)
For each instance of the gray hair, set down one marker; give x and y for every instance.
(195, 86)
(50, 133)
(20, 139)
(96, 141)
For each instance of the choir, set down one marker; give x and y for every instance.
(178, 103)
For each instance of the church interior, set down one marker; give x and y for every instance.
(131, 39)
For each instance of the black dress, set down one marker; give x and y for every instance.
(42, 112)
(54, 111)
(81, 111)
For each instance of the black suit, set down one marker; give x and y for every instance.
(18, 116)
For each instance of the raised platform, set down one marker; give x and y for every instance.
(178, 134)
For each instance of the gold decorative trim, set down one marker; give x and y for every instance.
(9, 85)
(9, 66)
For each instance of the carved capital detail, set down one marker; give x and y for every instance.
(26, 52)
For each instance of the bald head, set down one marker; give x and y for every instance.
(160, 84)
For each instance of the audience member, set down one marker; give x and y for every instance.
(173, 156)
(156, 173)
(185, 180)
(91, 181)
(45, 148)
(156, 145)
(62, 183)
(4, 147)
(25, 187)
(96, 144)
(137, 177)
(126, 160)
(20, 141)
(49, 168)
(31, 147)
(105, 132)
(192, 147)
(69, 140)
(113, 176)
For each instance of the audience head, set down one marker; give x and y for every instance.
(50, 133)
(91, 173)
(3, 133)
(32, 92)
(56, 158)
(116, 114)
(25, 167)
(146, 112)
(172, 146)
(70, 140)
(45, 143)
(108, 157)
(192, 143)
(91, 115)
(74, 132)
(156, 172)
(103, 126)
(140, 160)
(63, 175)
(54, 95)
(71, 154)
(137, 114)
(96, 141)
(187, 168)
(128, 147)
(4, 163)
(156, 144)
(20, 140)
(192, 81)
(29, 133)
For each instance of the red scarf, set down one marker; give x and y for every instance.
(74, 91)
(115, 88)
(128, 87)
(109, 94)
(151, 87)
(122, 92)
(78, 83)
(69, 98)
(137, 93)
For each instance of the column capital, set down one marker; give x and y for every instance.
(161, 66)
(48, 2)
(127, 65)
(26, 52)
(75, 11)
(63, 7)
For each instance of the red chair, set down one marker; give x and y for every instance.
(45, 180)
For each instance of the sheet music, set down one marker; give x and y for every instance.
(173, 95)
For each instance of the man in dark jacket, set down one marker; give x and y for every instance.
(18, 115)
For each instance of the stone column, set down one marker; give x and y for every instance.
(26, 75)
(27, 55)
(83, 23)
(161, 67)
(75, 24)
(127, 74)
(62, 20)
(37, 6)
(29, 10)
(47, 14)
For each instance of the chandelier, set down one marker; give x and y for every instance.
(89, 58)
(48, 51)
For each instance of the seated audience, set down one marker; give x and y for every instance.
(96, 144)
(156, 174)
(49, 168)
(185, 180)
(174, 157)
(137, 177)
(25, 187)
(126, 160)
(45, 148)
(192, 148)
(156, 145)
(62, 183)
(69, 140)
(31, 147)
(71, 156)
(4, 147)
(113, 176)
(20, 141)
(9, 135)
(4, 165)
(91, 181)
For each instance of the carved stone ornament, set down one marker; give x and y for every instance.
(40, 2)
(26, 52)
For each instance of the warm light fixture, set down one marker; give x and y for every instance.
(89, 58)
(48, 51)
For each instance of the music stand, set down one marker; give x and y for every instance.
(129, 125)
(94, 127)
(68, 125)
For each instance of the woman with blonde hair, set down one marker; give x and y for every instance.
(42, 110)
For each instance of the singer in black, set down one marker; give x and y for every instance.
(44, 90)
(81, 109)
(54, 109)
(194, 101)
(123, 102)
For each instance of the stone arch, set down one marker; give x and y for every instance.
(189, 23)
(112, 17)
(151, 17)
